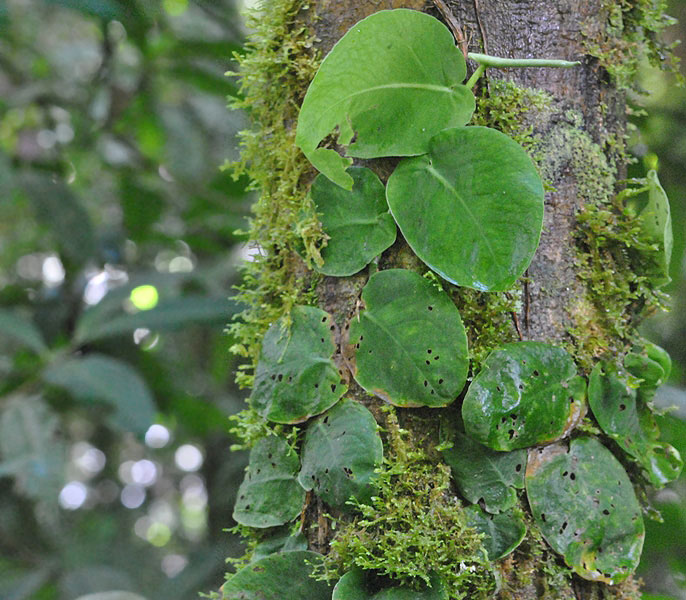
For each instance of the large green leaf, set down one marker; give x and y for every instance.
(361, 585)
(341, 451)
(472, 208)
(630, 423)
(482, 474)
(270, 494)
(527, 393)
(282, 576)
(656, 225)
(22, 330)
(389, 84)
(502, 533)
(30, 447)
(410, 345)
(357, 222)
(296, 377)
(585, 506)
(99, 378)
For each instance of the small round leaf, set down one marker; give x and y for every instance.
(585, 506)
(282, 576)
(296, 377)
(502, 533)
(472, 208)
(270, 494)
(360, 585)
(341, 451)
(410, 344)
(527, 393)
(357, 222)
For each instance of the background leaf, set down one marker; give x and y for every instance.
(22, 330)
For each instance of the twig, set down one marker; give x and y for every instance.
(453, 25)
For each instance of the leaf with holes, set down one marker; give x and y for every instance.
(410, 345)
(527, 393)
(482, 474)
(357, 222)
(502, 533)
(361, 585)
(282, 576)
(656, 225)
(472, 208)
(388, 85)
(296, 377)
(341, 451)
(628, 421)
(584, 504)
(270, 494)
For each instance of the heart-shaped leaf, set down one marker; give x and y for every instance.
(482, 474)
(410, 345)
(472, 208)
(502, 533)
(527, 393)
(361, 585)
(629, 422)
(585, 506)
(270, 494)
(296, 378)
(357, 222)
(341, 451)
(388, 85)
(282, 576)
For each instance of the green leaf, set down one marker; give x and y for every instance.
(472, 208)
(358, 223)
(388, 85)
(584, 504)
(168, 315)
(296, 377)
(630, 423)
(502, 533)
(410, 345)
(341, 451)
(656, 225)
(650, 365)
(99, 378)
(527, 393)
(115, 595)
(284, 541)
(361, 585)
(283, 576)
(30, 447)
(482, 474)
(22, 330)
(57, 207)
(270, 494)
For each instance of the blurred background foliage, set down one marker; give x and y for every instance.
(118, 252)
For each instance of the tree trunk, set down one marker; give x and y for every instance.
(576, 137)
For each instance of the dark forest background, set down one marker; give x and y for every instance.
(119, 246)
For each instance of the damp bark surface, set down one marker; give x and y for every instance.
(583, 99)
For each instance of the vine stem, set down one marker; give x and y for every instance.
(484, 61)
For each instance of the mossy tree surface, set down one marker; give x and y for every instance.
(573, 124)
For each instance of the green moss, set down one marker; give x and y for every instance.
(275, 71)
(413, 526)
(632, 33)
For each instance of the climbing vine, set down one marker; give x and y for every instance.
(468, 200)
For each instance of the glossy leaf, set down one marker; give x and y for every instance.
(296, 377)
(284, 541)
(283, 576)
(357, 222)
(22, 330)
(630, 423)
(99, 378)
(389, 84)
(502, 533)
(410, 345)
(527, 393)
(482, 474)
(472, 208)
(270, 494)
(342, 449)
(585, 506)
(359, 585)
(656, 224)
